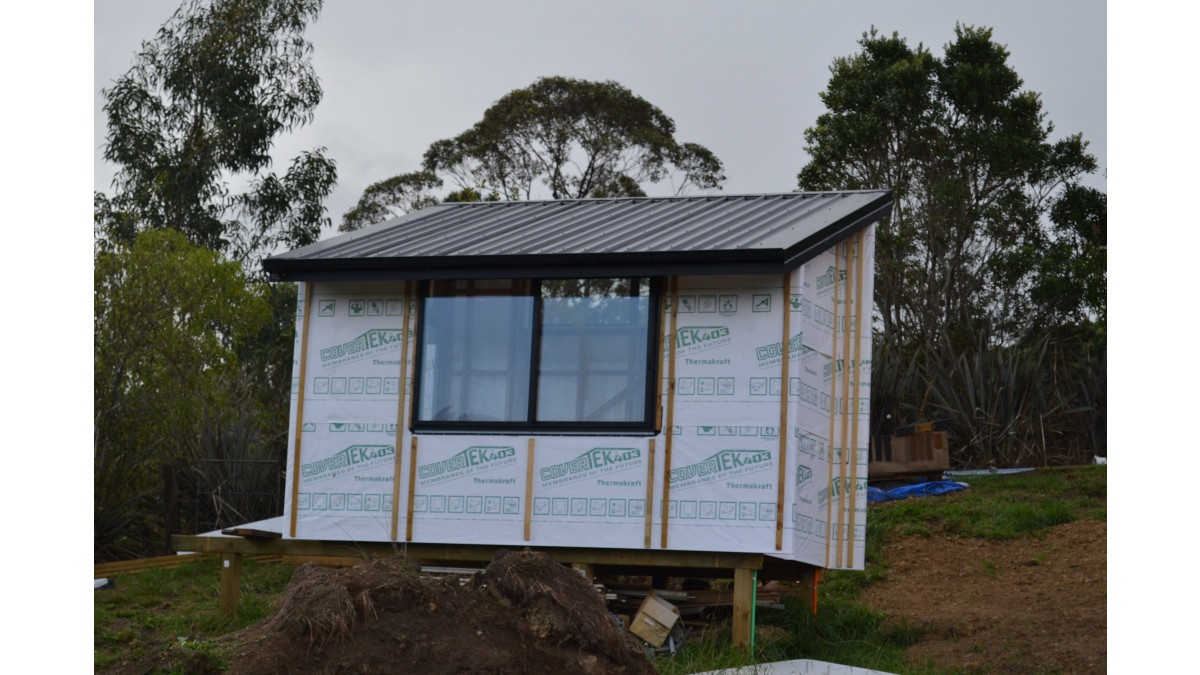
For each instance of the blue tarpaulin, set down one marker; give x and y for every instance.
(933, 487)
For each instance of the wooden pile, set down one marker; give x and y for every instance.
(625, 600)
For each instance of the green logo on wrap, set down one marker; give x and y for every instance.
(808, 394)
(369, 343)
(772, 354)
(826, 279)
(475, 459)
(594, 462)
(353, 459)
(724, 464)
(810, 445)
(803, 473)
(835, 490)
(692, 339)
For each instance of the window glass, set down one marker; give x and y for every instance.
(475, 362)
(592, 365)
(521, 354)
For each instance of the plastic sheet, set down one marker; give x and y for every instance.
(927, 489)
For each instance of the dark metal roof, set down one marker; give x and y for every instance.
(637, 236)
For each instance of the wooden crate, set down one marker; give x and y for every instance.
(654, 620)
(920, 452)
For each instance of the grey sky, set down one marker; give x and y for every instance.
(739, 78)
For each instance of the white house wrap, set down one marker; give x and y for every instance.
(748, 404)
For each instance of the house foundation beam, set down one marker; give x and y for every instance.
(689, 563)
(466, 552)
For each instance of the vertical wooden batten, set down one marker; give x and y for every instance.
(845, 456)
(650, 495)
(400, 406)
(412, 489)
(858, 335)
(528, 489)
(783, 407)
(832, 402)
(666, 499)
(307, 308)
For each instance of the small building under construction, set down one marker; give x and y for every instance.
(647, 375)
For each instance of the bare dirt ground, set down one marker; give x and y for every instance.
(1025, 606)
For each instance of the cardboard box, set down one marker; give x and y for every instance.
(654, 620)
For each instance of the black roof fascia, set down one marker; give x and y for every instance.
(531, 266)
(838, 231)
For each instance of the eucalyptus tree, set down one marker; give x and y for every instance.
(199, 111)
(391, 197)
(572, 138)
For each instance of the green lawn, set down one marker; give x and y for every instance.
(176, 609)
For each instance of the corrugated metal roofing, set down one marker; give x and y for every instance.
(637, 236)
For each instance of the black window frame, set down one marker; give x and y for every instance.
(648, 426)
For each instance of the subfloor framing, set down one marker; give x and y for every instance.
(741, 567)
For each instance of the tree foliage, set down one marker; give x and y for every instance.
(391, 197)
(990, 270)
(575, 138)
(975, 174)
(204, 102)
(192, 356)
(1071, 282)
(170, 319)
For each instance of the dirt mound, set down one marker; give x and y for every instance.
(524, 614)
(1002, 607)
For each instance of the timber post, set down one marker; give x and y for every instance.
(743, 606)
(231, 584)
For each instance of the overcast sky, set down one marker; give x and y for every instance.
(741, 78)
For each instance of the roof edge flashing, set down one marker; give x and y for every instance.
(831, 235)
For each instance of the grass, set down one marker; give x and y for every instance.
(844, 631)
(178, 607)
(1001, 507)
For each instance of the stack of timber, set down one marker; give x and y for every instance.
(625, 600)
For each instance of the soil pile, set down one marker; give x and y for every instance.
(524, 614)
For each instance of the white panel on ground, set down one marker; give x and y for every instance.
(797, 667)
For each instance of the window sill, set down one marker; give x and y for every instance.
(532, 431)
